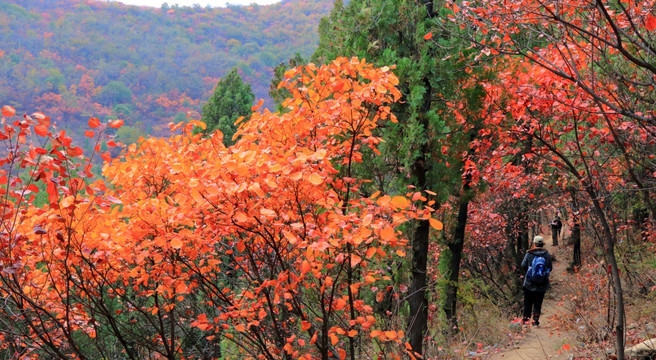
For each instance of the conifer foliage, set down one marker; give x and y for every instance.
(232, 99)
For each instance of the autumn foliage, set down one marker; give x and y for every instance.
(188, 249)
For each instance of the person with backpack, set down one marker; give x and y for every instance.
(556, 225)
(537, 264)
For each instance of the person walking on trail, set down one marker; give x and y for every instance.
(556, 226)
(537, 264)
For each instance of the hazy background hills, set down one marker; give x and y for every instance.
(148, 66)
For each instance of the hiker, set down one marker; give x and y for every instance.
(556, 225)
(537, 264)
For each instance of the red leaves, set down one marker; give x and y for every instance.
(116, 123)
(41, 130)
(305, 325)
(650, 22)
(8, 111)
(94, 122)
(428, 36)
(74, 152)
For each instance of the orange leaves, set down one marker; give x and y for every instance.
(400, 202)
(253, 227)
(176, 243)
(315, 179)
(436, 224)
(391, 335)
(388, 335)
(428, 36)
(305, 267)
(387, 234)
(202, 323)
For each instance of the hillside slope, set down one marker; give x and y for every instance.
(74, 59)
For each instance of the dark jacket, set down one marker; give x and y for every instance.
(528, 260)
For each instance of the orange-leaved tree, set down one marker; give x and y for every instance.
(265, 249)
(270, 238)
(46, 191)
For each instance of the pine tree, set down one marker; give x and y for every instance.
(232, 99)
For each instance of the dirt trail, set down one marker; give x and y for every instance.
(544, 342)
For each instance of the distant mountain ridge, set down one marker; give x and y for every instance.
(73, 59)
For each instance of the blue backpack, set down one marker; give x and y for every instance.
(538, 273)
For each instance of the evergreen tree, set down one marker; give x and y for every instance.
(232, 99)
(430, 68)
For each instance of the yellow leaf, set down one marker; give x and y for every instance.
(355, 260)
(333, 339)
(400, 202)
(391, 335)
(176, 243)
(315, 179)
(68, 201)
(241, 217)
(387, 234)
(436, 224)
(320, 154)
(267, 212)
(339, 304)
(290, 237)
(212, 190)
(197, 196)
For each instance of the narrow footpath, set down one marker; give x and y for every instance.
(544, 341)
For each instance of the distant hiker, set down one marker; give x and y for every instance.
(556, 225)
(537, 264)
(576, 238)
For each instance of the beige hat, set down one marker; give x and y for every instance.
(538, 241)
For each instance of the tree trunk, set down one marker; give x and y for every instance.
(418, 318)
(418, 321)
(576, 237)
(453, 267)
(609, 252)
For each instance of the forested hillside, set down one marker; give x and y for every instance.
(441, 179)
(144, 65)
